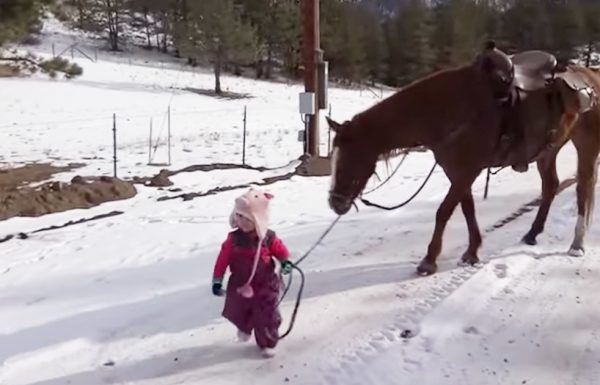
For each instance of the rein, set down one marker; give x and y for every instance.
(369, 203)
(390, 176)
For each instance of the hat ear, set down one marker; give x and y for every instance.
(233, 220)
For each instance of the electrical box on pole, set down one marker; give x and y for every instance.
(308, 109)
(307, 103)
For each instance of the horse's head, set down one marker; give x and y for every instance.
(353, 162)
(497, 68)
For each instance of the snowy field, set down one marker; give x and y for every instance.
(126, 300)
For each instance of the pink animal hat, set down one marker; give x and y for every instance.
(254, 205)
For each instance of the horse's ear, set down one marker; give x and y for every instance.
(335, 126)
(489, 45)
(484, 61)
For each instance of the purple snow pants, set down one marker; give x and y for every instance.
(259, 313)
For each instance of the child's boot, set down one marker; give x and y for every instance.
(267, 352)
(242, 336)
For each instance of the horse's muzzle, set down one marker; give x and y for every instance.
(339, 204)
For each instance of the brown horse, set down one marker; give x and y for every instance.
(463, 116)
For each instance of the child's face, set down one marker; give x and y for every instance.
(245, 224)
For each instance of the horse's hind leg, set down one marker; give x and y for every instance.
(547, 169)
(587, 141)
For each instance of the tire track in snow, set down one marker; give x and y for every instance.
(402, 328)
(406, 326)
(487, 350)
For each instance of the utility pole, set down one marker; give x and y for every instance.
(312, 54)
(315, 96)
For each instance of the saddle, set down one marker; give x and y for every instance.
(533, 69)
(514, 78)
(537, 69)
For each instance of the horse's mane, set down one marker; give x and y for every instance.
(416, 87)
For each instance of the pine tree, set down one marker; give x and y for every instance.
(410, 37)
(18, 17)
(560, 26)
(393, 55)
(353, 41)
(146, 13)
(568, 27)
(520, 30)
(216, 29)
(462, 26)
(104, 15)
(113, 10)
(331, 17)
(591, 29)
(373, 44)
(82, 13)
(350, 52)
(278, 26)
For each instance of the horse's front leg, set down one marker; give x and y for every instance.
(455, 194)
(547, 169)
(468, 208)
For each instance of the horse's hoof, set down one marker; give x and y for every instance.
(529, 239)
(577, 252)
(426, 268)
(469, 259)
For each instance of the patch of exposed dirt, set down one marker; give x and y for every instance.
(306, 167)
(18, 198)
(223, 95)
(216, 190)
(54, 227)
(15, 178)
(15, 66)
(8, 71)
(162, 178)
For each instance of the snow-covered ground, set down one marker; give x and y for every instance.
(126, 300)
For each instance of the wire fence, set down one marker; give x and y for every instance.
(255, 133)
(239, 134)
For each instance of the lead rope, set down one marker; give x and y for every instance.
(302, 278)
